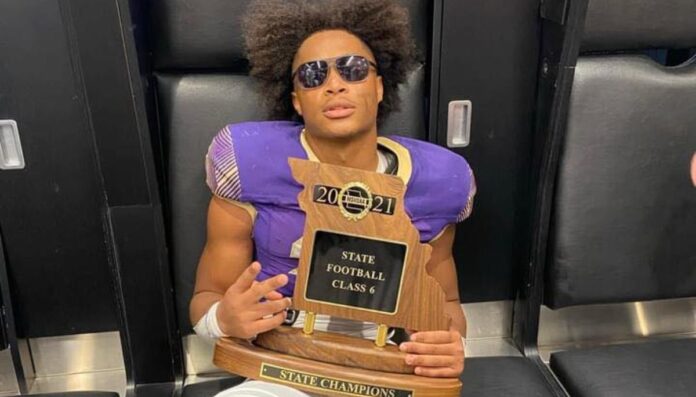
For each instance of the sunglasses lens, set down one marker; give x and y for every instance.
(313, 74)
(353, 68)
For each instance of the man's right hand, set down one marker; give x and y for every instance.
(241, 313)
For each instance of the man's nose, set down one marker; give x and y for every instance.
(334, 83)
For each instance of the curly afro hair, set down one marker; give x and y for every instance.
(275, 29)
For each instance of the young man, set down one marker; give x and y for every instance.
(333, 67)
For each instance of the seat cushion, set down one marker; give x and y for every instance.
(663, 368)
(502, 377)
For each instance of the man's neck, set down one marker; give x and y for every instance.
(359, 151)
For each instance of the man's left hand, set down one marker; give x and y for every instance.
(437, 354)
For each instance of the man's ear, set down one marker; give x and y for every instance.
(380, 89)
(296, 103)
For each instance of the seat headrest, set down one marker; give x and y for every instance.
(209, 36)
(612, 25)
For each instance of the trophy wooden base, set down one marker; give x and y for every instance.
(335, 348)
(243, 358)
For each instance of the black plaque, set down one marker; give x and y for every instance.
(355, 271)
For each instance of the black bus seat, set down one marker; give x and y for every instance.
(623, 219)
(627, 146)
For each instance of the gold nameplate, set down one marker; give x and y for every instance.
(324, 384)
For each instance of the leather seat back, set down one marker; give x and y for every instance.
(624, 217)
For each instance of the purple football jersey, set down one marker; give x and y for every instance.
(248, 163)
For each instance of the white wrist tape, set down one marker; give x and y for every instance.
(208, 326)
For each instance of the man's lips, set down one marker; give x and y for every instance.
(338, 110)
(338, 113)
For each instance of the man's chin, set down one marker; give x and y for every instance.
(340, 131)
(342, 134)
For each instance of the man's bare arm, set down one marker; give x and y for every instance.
(442, 267)
(225, 274)
(441, 353)
(227, 252)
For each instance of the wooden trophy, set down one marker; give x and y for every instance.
(361, 259)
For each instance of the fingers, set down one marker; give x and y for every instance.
(241, 314)
(267, 324)
(445, 349)
(435, 353)
(428, 360)
(448, 366)
(273, 296)
(247, 278)
(271, 307)
(438, 372)
(260, 289)
(434, 337)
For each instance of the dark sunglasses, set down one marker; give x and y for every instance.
(351, 68)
